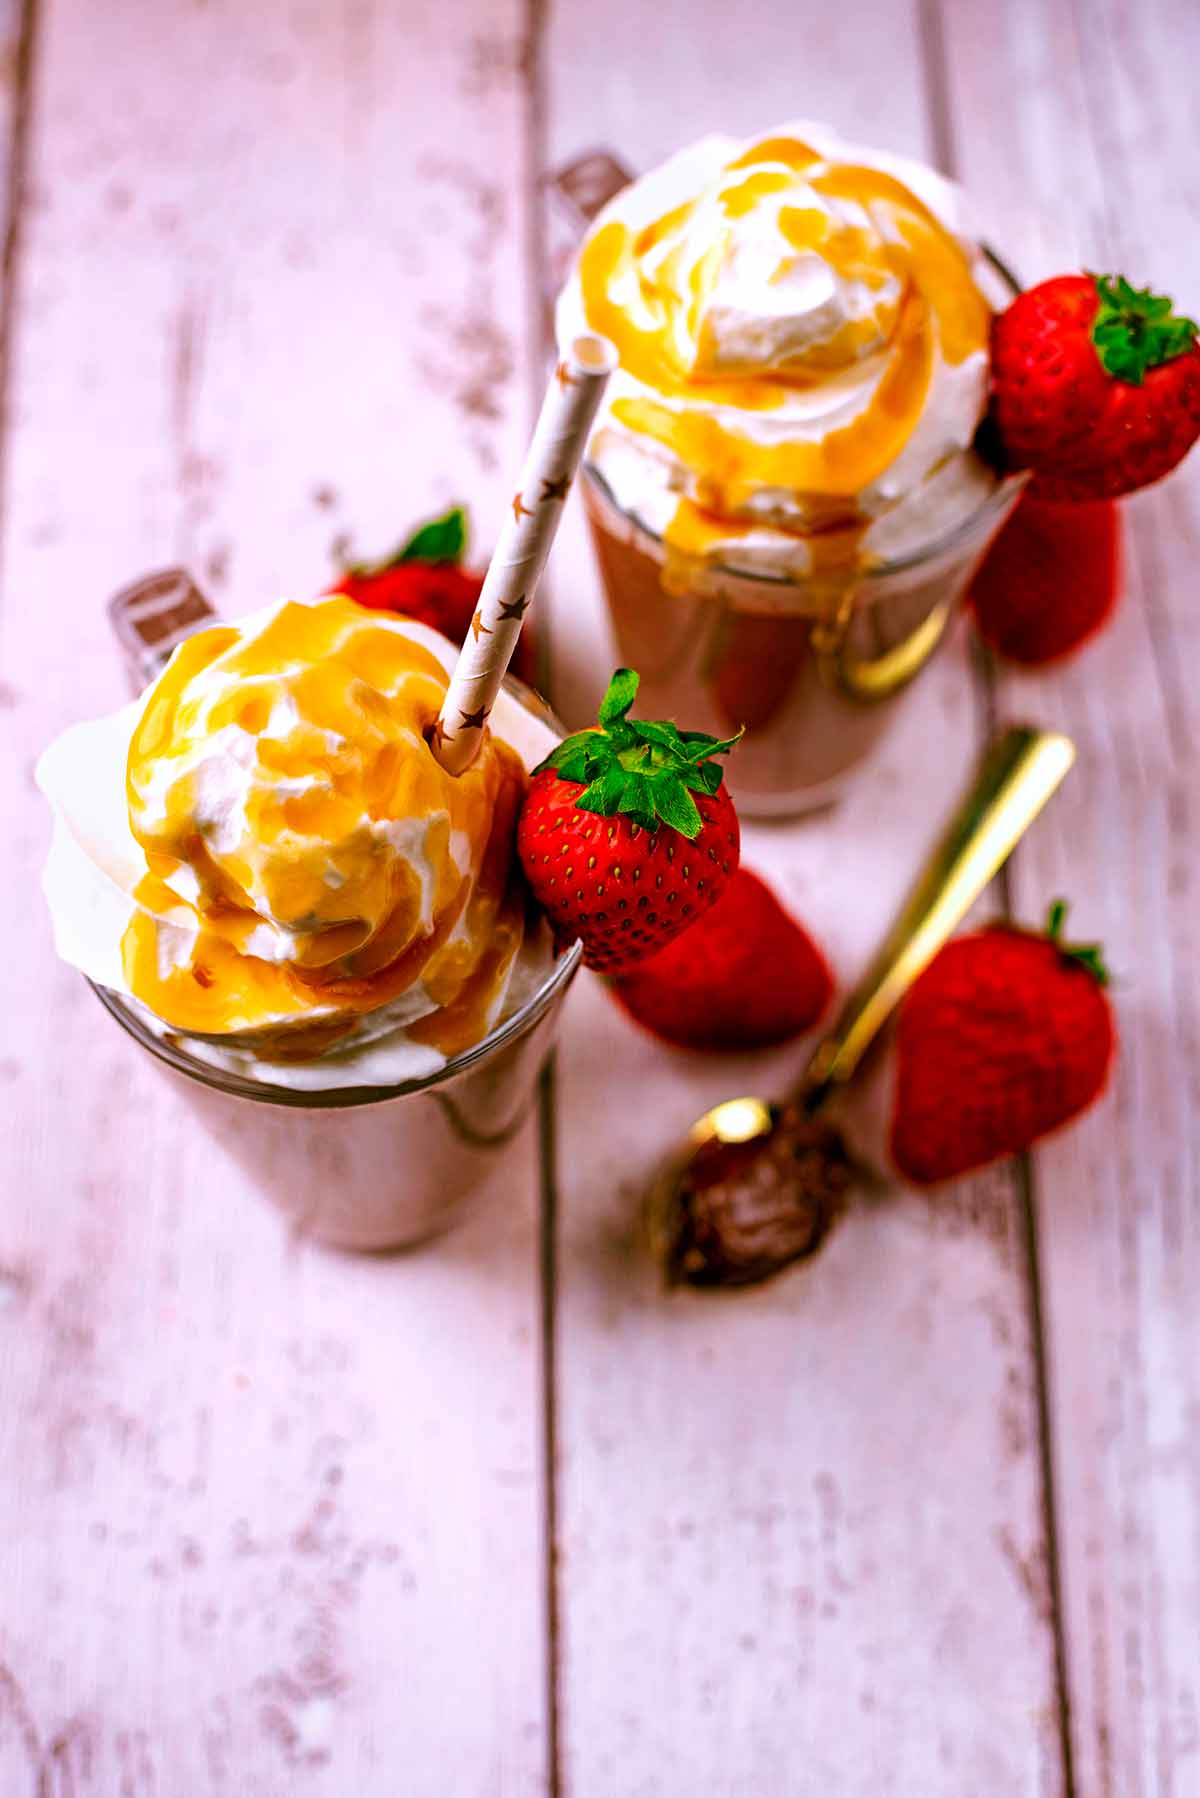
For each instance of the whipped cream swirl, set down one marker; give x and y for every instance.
(803, 352)
(263, 852)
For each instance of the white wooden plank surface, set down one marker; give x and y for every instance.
(1103, 145)
(271, 1515)
(801, 1542)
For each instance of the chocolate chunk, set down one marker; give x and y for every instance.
(749, 1209)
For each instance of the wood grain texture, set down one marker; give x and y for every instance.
(1099, 169)
(271, 1515)
(16, 80)
(801, 1539)
(11, 76)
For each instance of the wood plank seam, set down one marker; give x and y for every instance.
(1143, 560)
(13, 203)
(942, 141)
(538, 331)
(548, 1286)
(1024, 1182)
(1132, 1680)
(943, 138)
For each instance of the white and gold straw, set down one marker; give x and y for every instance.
(520, 554)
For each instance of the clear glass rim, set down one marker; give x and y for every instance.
(1007, 486)
(169, 1049)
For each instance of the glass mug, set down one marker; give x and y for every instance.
(357, 1167)
(813, 666)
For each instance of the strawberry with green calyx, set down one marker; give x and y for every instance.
(1006, 1036)
(628, 833)
(1095, 386)
(425, 580)
(1084, 955)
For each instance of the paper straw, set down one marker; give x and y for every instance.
(520, 554)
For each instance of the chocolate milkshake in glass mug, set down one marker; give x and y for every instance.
(784, 488)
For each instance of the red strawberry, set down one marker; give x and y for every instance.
(1005, 1036)
(1050, 579)
(744, 976)
(1095, 386)
(628, 833)
(434, 593)
(424, 581)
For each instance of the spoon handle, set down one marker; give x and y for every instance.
(1018, 775)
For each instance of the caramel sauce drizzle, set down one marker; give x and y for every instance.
(325, 711)
(647, 291)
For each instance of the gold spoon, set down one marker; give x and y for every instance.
(1018, 775)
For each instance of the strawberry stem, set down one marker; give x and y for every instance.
(1135, 330)
(1088, 955)
(643, 769)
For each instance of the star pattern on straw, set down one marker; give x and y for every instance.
(475, 720)
(519, 509)
(564, 377)
(479, 628)
(556, 489)
(516, 609)
(437, 735)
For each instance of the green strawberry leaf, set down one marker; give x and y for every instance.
(1088, 955)
(665, 734)
(622, 691)
(675, 805)
(570, 759)
(700, 748)
(442, 539)
(642, 769)
(603, 796)
(635, 798)
(622, 733)
(1134, 330)
(590, 745)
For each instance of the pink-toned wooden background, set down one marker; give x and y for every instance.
(499, 1517)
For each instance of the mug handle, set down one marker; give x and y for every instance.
(151, 616)
(575, 193)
